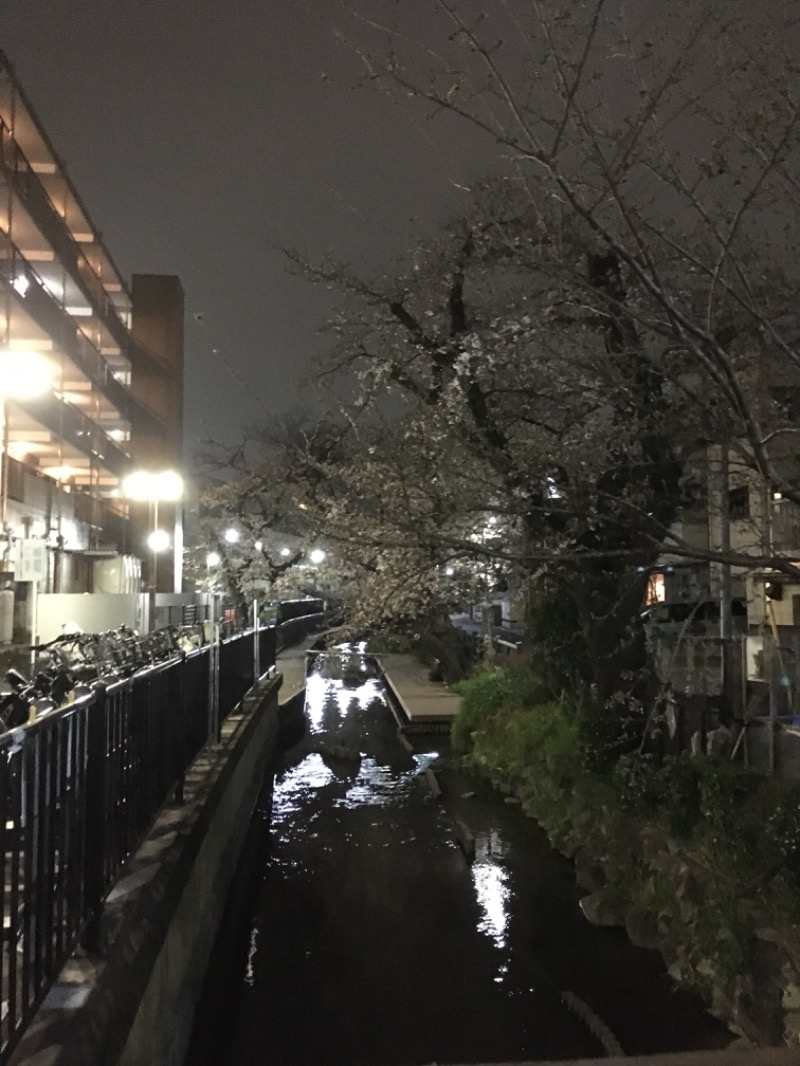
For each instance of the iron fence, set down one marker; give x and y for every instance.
(43, 806)
(80, 788)
(291, 630)
(741, 693)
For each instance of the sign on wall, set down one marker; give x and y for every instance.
(31, 560)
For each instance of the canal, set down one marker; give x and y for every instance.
(360, 934)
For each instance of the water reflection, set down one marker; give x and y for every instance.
(424, 760)
(375, 942)
(492, 890)
(250, 970)
(326, 693)
(297, 783)
(375, 786)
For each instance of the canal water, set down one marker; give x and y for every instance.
(360, 934)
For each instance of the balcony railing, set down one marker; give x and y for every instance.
(34, 195)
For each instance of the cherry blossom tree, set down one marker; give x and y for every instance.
(623, 295)
(668, 135)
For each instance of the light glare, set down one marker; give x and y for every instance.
(158, 540)
(23, 375)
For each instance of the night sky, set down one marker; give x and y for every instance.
(204, 136)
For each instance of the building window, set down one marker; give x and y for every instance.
(739, 502)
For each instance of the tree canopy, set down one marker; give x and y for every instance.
(524, 397)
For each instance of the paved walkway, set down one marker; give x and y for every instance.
(292, 663)
(423, 702)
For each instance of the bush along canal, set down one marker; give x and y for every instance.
(403, 912)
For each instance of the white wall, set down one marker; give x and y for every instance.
(93, 612)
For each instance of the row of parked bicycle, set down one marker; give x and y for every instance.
(67, 666)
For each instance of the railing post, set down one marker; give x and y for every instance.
(256, 647)
(180, 732)
(95, 816)
(213, 680)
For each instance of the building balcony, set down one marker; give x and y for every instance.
(54, 321)
(31, 193)
(69, 424)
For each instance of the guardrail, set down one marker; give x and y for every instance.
(80, 788)
(293, 630)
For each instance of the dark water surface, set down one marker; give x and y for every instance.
(361, 935)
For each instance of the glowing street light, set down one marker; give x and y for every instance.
(147, 486)
(232, 535)
(153, 487)
(317, 556)
(158, 540)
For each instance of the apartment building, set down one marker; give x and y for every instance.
(735, 513)
(113, 397)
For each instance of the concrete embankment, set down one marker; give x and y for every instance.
(131, 1002)
(424, 705)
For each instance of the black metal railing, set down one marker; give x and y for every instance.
(295, 629)
(43, 824)
(79, 790)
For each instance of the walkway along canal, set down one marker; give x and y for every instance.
(361, 934)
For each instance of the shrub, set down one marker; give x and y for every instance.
(525, 742)
(485, 693)
(782, 834)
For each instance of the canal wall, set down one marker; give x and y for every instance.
(130, 1001)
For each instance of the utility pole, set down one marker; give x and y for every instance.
(725, 585)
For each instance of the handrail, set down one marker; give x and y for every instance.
(93, 286)
(84, 353)
(79, 789)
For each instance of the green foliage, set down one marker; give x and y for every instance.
(782, 834)
(686, 793)
(608, 732)
(552, 624)
(506, 722)
(724, 936)
(700, 843)
(486, 693)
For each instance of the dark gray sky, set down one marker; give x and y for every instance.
(203, 135)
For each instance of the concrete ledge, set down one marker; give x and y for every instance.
(423, 705)
(132, 1003)
(736, 1055)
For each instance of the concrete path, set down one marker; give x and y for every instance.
(423, 702)
(292, 664)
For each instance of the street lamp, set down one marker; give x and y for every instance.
(24, 375)
(158, 541)
(153, 487)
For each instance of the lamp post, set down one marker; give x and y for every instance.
(146, 486)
